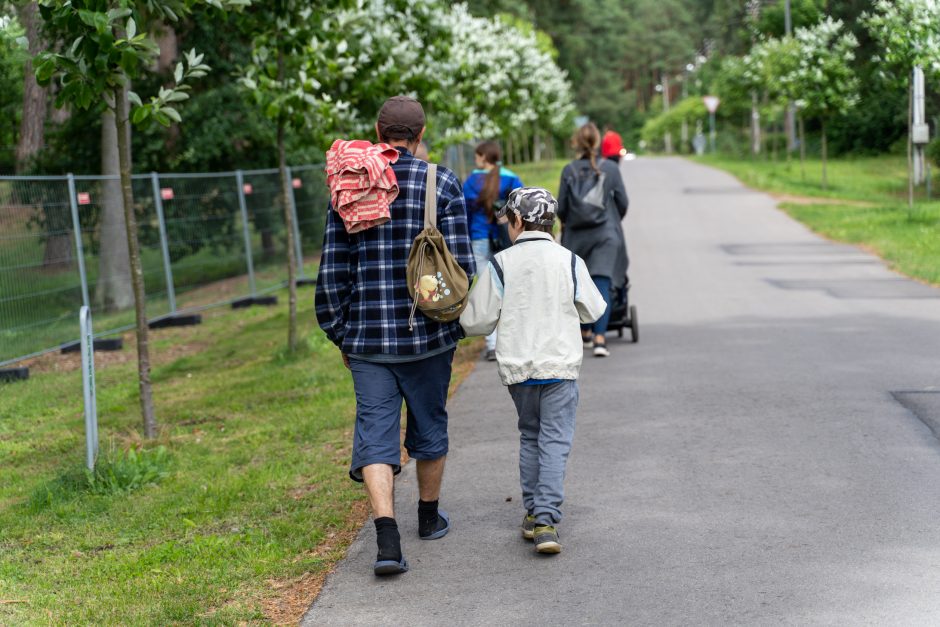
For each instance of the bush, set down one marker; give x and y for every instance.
(933, 151)
(128, 470)
(118, 472)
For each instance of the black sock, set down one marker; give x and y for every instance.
(427, 516)
(386, 534)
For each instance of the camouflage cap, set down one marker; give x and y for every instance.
(531, 204)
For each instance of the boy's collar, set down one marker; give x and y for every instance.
(526, 235)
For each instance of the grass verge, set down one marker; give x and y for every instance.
(541, 174)
(865, 204)
(237, 518)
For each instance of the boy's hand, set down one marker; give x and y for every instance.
(346, 361)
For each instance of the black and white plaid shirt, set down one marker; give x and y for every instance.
(362, 297)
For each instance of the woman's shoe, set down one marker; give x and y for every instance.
(600, 350)
(587, 340)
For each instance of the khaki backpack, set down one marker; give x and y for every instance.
(437, 283)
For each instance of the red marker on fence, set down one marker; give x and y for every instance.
(84, 198)
(166, 193)
(297, 183)
(247, 189)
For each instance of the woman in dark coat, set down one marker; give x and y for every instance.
(602, 246)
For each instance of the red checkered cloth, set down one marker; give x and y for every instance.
(362, 183)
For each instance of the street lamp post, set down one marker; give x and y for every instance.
(791, 110)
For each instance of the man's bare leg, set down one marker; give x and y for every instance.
(432, 523)
(430, 473)
(380, 486)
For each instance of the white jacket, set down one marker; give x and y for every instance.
(535, 309)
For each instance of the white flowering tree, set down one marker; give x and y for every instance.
(822, 82)
(323, 68)
(908, 33)
(501, 80)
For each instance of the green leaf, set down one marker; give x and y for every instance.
(172, 113)
(177, 96)
(162, 118)
(134, 98)
(131, 28)
(178, 74)
(140, 114)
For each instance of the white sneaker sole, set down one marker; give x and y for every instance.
(548, 547)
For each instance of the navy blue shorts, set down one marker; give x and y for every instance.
(380, 389)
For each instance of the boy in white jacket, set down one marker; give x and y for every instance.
(536, 294)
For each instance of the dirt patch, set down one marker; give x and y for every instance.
(810, 200)
(295, 596)
(187, 341)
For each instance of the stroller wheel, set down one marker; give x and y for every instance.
(634, 324)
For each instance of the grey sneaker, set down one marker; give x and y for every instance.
(491, 355)
(528, 526)
(546, 539)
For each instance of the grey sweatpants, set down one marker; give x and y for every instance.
(546, 429)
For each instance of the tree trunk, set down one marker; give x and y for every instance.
(33, 123)
(57, 254)
(114, 290)
(268, 248)
(825, 155)
(292, 260)
(122, 130)
(802, 149)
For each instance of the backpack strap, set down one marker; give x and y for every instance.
(430, 197)
(574, 275)
(499, 271)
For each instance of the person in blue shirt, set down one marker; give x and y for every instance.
(485, 191)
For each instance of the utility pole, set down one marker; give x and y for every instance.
(668, 138)
(791, 109)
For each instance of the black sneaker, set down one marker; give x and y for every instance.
(528, 526)
(439, 530)
(491, 354)
(546, 539)
(390, 567)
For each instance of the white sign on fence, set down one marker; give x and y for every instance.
(711, 103)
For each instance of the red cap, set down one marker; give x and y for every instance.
(611, 145)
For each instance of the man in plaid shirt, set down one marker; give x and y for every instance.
(363, 305)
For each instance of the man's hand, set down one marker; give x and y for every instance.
(346, 361)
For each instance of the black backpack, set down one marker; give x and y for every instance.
(588, 207)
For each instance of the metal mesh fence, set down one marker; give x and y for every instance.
(205, 239)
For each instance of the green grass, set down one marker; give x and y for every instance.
(865, 204)
(252, 484)
(540, 174)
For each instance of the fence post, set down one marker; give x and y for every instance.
(79, 247)
(88, 388)
(243, 208)
(164, 245)
(298, 252)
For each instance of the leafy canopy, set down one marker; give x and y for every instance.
(103, 47)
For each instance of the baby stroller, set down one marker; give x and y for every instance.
(623, 314)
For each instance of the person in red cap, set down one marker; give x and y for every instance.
(612, 145)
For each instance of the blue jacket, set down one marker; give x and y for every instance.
(480, 228)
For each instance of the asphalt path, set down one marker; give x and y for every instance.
(764, 455)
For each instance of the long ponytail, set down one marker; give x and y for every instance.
(586, 142)
(492, 155)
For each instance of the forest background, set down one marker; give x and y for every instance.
(618, 55)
